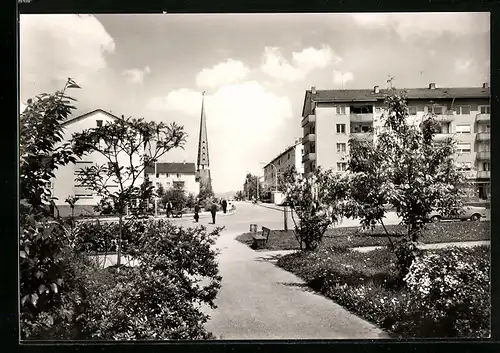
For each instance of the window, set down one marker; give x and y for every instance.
(462, 129)
(341, 147)
(99, 123)
(486, 166)
(341, 167)
(412, 110)
(341, 109)
(463, 147)
(157, 175)
(158, 184)
(437, 109)
(462, 110)
(340, 128)
(178, 175)
(485, 109)
(377, 110)
(179, 184)
(289, 156)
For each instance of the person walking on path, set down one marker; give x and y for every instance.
(213, 211)
(196, 212)
(224, 205)
(169, 209)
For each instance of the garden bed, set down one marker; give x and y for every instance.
(367, 285)
(350, 237)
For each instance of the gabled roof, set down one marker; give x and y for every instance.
(289, 148)
(172, 168)
(80, 117)
(368, 95)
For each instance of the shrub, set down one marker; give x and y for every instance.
(161, 297)
(452, 287)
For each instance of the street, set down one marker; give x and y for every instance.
(259, 300)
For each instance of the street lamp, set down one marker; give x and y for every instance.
(275, 175)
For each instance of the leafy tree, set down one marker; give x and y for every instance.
(45, 244)
(251, 182)
(206, 192)
(319, 201)
(128, 145)
(407, 168)
(240, 195)
(160, 191)
(177, 196)
(190, 201)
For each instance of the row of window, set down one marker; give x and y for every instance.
(436, 109)
(163, 175)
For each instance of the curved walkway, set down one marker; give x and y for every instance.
(259, 300)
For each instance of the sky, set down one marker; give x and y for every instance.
(254, 68)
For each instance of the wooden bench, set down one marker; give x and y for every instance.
(260, 240)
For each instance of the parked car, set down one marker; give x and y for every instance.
(472, 213)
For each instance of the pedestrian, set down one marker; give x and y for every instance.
(169, 209)
(196, 213)
(224, 205)
(213, 211)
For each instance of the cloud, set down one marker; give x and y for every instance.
(242, 120)
(463, 66)
(230, 71)
(421, 24)
(136, 76)
(341, 78)
(309, 59)
(55, 47)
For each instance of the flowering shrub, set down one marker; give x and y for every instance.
(161, 297)
(453, 288)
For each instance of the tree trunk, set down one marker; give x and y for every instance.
(120, 231)
(388, 236)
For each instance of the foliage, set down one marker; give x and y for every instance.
(161, 297)
(450, 285)
(45, 244)
(177, 196)
(240, 195)
(318, 201)
(128, 145)
(160, 191)
(368, 285)
(350, 237)
(206, 191)
(190, 201)
(251, 182)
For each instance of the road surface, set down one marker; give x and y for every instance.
(259, 300)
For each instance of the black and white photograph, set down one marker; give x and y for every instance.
(254, 176)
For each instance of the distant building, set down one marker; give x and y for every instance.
(64, 183)
(330, 117)
(174, 174)
(290, 157)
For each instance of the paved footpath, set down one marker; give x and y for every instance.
(463, 244)
(259, 300)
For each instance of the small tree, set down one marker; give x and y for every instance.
(318, 201)
(160, 192)
(177, 196)
(128, 146)
(407, 168)
(206, 192)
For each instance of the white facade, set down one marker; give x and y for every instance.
(292, 156)
(168, 180)
(64, 183)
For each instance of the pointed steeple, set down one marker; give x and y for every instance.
(203, 159)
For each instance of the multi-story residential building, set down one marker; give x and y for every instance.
(331, 117)
(174, 174)
(64, 183)
(291, 156)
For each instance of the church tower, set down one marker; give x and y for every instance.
(203, 163)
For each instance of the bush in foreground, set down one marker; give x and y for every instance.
(368, 284)
(162, 296)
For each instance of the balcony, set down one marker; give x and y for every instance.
(308, 157)
(445, 118)
(483, 174)
(311, 118)
(480, 118)
(362, 136)
(483, 136)
(483, 155)
(361, 118)
(308, 138)
(442, 137)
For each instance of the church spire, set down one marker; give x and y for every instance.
(203, 159)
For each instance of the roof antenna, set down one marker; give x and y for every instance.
(389, 81)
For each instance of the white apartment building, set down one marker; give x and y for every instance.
(331, 117)
(291, 156)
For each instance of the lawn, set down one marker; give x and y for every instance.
(348, 237)
(367, 285)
